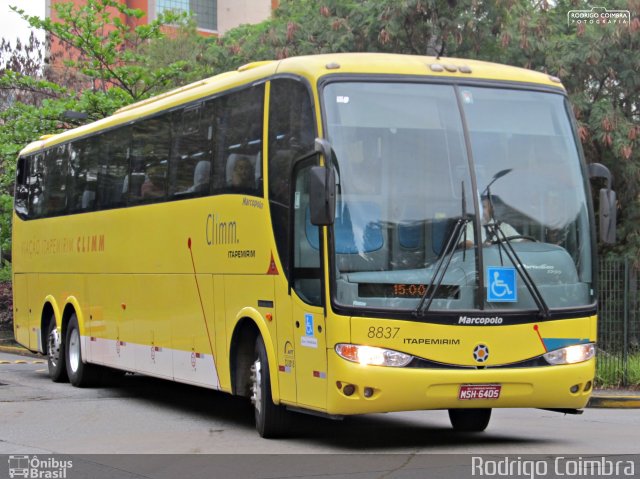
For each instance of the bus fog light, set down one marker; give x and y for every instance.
(572, 354)
(368, 392)
(369, 355)
(575, 388)
(349, 389)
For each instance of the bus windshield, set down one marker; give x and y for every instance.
(405, 180)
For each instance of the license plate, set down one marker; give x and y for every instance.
(479, 391)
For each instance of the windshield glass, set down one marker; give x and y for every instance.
(404, 182)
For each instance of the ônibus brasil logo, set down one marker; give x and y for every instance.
(35, 468)
(599, 16)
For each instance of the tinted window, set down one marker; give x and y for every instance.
(113, 169)
(83, 175)
(151, 142)
(22, 189)
(55, 181)
(190, 168)
(291, 136)
(238, 166)
(35, 183)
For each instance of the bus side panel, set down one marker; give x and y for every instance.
(220, 344)
(112, 327)
(187, 300)
(150, 306)
(21, 309)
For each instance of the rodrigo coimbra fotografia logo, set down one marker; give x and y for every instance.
(599, 16)
(36, 468)
(583, 467)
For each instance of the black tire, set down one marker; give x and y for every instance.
(271, 420)
(469, 420)
(54, 347)
(80, 374)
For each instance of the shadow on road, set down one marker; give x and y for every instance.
(386, 432)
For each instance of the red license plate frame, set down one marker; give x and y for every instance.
(476, 392)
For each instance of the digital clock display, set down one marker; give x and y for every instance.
(402, 290)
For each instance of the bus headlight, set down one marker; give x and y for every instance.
(571, 354)
(369, 355)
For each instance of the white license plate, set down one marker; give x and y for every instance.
(479, 391)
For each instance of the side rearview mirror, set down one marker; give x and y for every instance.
(322, 195)
(607, 214)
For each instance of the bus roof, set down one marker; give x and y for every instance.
(312, 68)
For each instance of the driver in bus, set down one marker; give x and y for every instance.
(487, 233)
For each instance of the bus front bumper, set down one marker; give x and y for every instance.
(358, 389)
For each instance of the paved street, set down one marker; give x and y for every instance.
(145, 415)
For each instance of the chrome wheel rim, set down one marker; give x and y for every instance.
(256, 385)
(74, 350)
(53, 347)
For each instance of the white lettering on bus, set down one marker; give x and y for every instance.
(480, 321)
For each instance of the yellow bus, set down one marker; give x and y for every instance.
(335, 234)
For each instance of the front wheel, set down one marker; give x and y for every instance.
(80, 374)
(469, 420)
(271, 420)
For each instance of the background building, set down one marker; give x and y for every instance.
(213, 17)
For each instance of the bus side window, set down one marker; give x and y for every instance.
(22, 187)
(83, 175)
(239, 119)
(56, 168)
(113, 170)
(150, 146)
(35, 184)
(192, 151)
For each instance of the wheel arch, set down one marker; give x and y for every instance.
(249, 324)
(50, 312)
(71, 307)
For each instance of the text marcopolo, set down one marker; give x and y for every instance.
(480, 321)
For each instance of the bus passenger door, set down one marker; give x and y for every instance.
(307, 303)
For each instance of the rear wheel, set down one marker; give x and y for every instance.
(271, 420)
(55, 354)
(80, 374)
(469, 420)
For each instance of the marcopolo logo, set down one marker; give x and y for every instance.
(480, 321)
(36, 468)
(599, 16)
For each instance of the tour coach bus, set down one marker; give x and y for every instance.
(335, 234)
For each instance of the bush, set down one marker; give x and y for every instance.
(6, 306)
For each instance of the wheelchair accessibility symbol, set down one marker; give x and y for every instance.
(501, 284)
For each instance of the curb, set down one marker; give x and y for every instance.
(614, 402)
(18, 350)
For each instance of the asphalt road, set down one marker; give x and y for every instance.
(141, 415)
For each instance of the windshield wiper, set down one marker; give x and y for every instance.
(453, 240)
(441, 266)
(504, 244)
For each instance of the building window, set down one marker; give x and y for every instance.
(203, 11)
